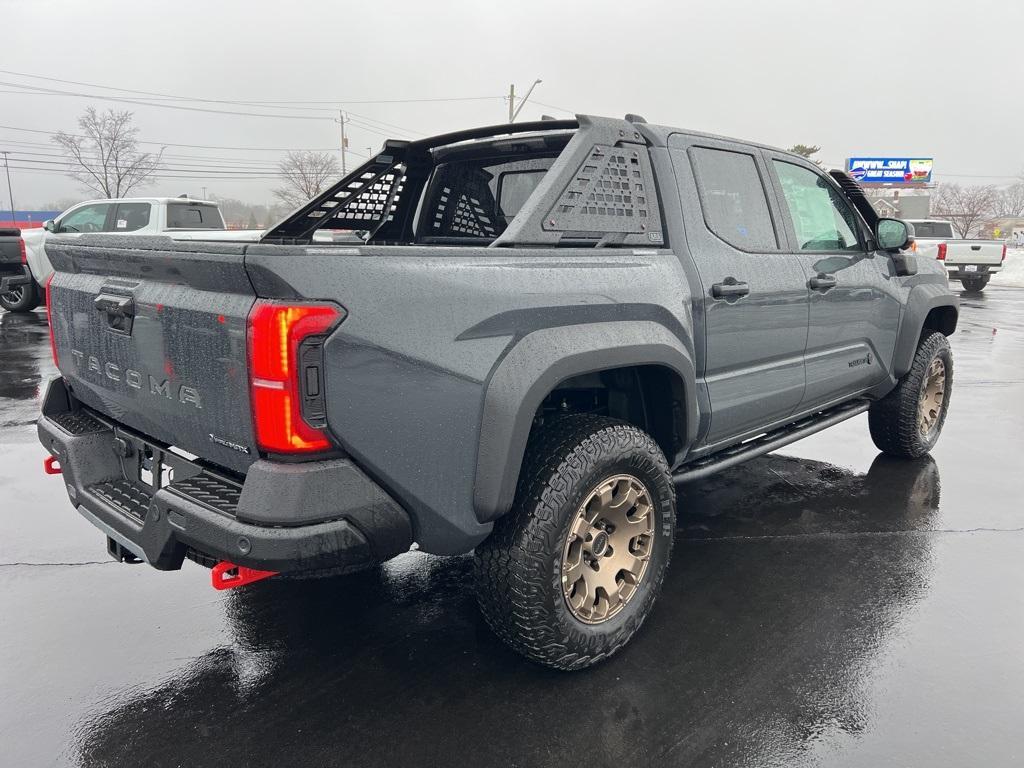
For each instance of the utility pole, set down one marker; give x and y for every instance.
(10, 192)
(204, 193)
(513, 111)
(342, 119)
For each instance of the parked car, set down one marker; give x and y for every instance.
(179, 217)
(972, 262)
(18, 292)
(548, 326)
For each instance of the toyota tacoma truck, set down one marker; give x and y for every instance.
(18, 292)
(972, 262)
(544, 327)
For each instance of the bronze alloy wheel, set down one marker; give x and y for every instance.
(932, 395)
(607, 549)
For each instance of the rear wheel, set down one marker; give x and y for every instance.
(570, 574)
(974, 284)
(907, 422)
(21, 298)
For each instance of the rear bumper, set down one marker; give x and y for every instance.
(281, 517)
(958, 271)
(22, 277)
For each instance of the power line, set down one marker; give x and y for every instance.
(239, 162)
(371, 124)
(28, 90)
(271, 102)
(190, 146)
(549, 106)
(154, 95)
(176, 167)
(25, 169)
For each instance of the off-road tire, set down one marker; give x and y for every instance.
(518, 568)
(974, 284)
(23, 298)
(894, 420)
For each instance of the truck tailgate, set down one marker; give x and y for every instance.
(152, 333)
(974, 251)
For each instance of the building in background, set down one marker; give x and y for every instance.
(26, 219)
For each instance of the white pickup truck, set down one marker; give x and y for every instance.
(179, 217)
(972, 262)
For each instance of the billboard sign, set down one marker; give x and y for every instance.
(890, 170)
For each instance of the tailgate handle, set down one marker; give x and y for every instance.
(118, 306)
(975, 247)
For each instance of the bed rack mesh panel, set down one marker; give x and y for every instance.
(365, 199)
(609, 198)
(609, 193)
(381, 195)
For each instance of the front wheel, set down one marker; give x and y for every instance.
(21, 298)
(907, 421)
(570, 574)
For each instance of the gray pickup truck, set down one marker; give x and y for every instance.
(544, 328)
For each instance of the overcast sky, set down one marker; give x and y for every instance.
(922, 78)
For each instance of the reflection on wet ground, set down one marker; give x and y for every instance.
(826, 607)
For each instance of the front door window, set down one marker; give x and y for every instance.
(822, 219)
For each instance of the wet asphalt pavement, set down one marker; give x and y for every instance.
(827, 606)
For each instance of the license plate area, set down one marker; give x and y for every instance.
(971, 268)
(149, 465)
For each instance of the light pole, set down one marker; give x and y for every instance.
(10, 192)
(342, 119)
(514, 113)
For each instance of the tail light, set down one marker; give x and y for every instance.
(49, 318)
(942, 252)
(285, 342)
(1003, 257)
(24, 253)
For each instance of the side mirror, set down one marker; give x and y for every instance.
(49, 226)
(893, 234)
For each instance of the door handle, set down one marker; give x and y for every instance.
(730, 288)
(822, 282)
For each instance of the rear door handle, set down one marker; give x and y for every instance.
(822, 282)
(730, 288)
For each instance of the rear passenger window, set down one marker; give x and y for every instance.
(193, 216)
(131, 217)
(733, 199)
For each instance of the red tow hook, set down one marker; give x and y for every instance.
(227, 575)
(51, 465)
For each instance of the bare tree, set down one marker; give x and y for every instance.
(304, 175)
(966, 207)
(806, 150)
(105, 156)
(1009, 201)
